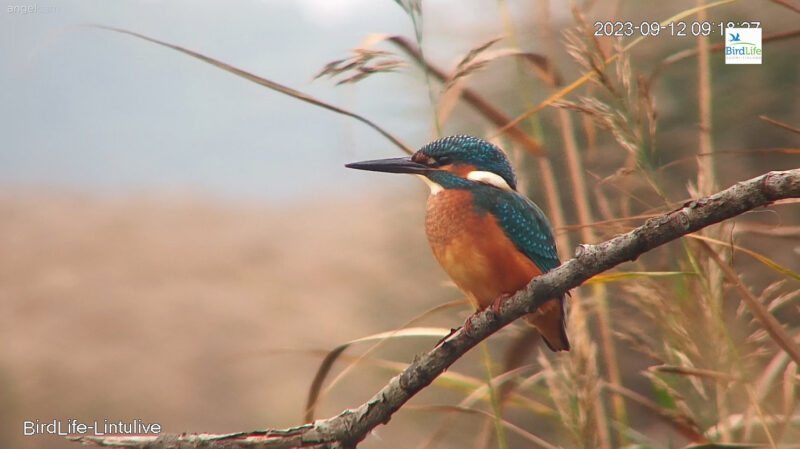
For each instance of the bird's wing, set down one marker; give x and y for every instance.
(525, 225)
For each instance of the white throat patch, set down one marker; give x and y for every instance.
(487, 177)
(435, 188)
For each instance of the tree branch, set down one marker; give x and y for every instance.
(351, 426)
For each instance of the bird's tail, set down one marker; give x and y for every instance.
(551, 322)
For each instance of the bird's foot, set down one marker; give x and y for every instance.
(468, 324)
(495, 306)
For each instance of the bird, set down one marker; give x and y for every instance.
(489, 239)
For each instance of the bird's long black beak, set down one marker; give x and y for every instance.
(393, 165)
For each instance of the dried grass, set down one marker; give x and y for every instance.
(709, 352)
(363, 63)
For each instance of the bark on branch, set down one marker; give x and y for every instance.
(351, 426)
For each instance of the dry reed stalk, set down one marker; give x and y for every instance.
(552, 193)
(682, 424)
(780, 124)
(756, 308)
(573, 384)
(787, 5)
(707, 182)
(599, 291)
(706, 172)
(588, 234)
(594, 413)
(555, 206)
(483, 106)
(363, 63)
(414, 10)
(578, 314)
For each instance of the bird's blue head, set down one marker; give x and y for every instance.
(452, 162)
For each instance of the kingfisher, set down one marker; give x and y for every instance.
(489, 238)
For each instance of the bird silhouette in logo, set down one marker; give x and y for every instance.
(735, 37)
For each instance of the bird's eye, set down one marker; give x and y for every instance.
(443, 160)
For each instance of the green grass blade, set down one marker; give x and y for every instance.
(605, 278)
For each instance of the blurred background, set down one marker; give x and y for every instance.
(182, 246)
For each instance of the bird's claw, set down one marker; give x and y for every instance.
(495, 306)
(468, 324)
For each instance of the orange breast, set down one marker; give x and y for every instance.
(473, 250)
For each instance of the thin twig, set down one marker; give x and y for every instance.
(779, 124)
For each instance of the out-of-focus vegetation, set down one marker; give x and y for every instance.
(668, 355)
(201, 316)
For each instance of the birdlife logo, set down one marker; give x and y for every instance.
(742, 45)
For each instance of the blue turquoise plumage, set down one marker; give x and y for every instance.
(523, 222)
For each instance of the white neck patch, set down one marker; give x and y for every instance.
(435, 188)
(487, 177)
